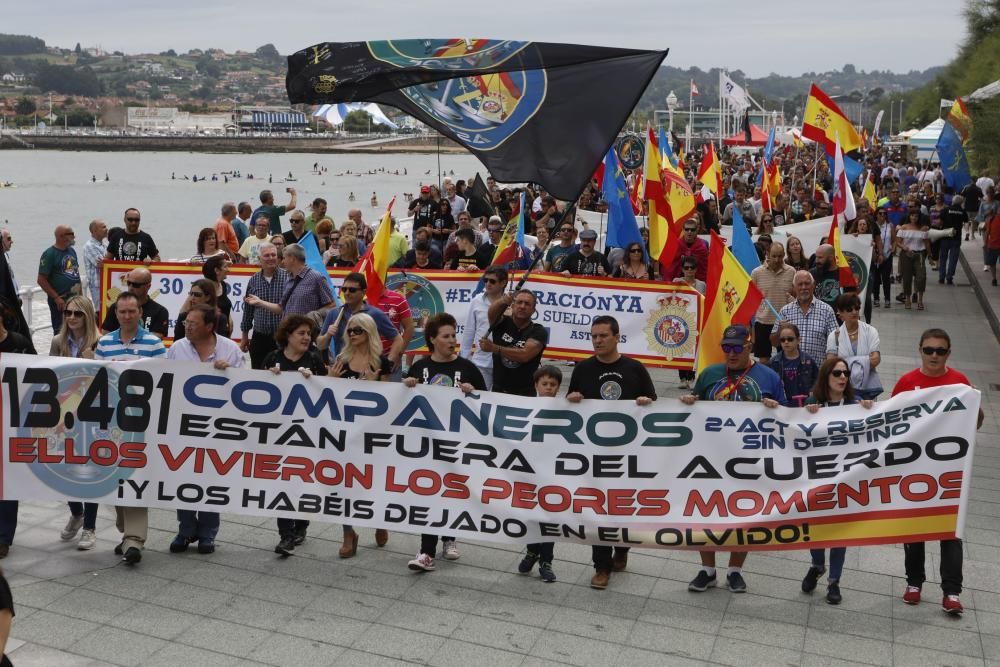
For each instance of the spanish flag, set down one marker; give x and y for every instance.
(664, 231)
(823, 121)
(509, 248)
(960, 119)
(710, 172)
(847, 279)
(374, 264)
(730, 298)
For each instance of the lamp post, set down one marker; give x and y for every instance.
(671, 105)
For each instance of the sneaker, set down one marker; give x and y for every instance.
(88, 540)
(299, 535)
(546, 573)
(950, 281)
(180, 544)
(702, 582)
(736, 582)
(619, 561)
(912, 595)
(833, 595)
(132, 556)
(812, 576)
(206, 546)
(985, 267)
(422, 563)
(600, 580)
(888, 305)
(877, 303)
(286, 547)
(952, 605)
(72, 528)
(527, 563)
(451, 550)
(119, 548)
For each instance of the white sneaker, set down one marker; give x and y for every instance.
(88, 540)
(422, 563)
(72, 528)
(985, 268)
(451, 550)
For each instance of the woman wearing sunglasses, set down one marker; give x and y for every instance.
(833, 387)
(796, 369)
(294, 338)
(202, 292)
(857, 342)
(77, 339)
(633, 264)
(361, 358)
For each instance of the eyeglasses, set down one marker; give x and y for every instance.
(350, 290)
(838, 373)
(73, 313)
(939, 351)
(132, 219)
(788, 339)
(355, 331)
(733, 349)
(135, 284)
(196, 294)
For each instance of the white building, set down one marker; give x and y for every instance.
(169, 119)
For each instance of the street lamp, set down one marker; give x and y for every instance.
(671, 105)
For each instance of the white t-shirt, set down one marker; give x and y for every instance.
(984, 182)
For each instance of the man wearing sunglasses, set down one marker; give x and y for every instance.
(934, 349)
(517, 343)
(332, 331)
(154, 318)
(59, 273)
(477, 322)
(690, 246)
(738, 378)
(130, 244)
(558, 252)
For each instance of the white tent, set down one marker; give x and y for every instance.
(986, 92)
(336, 113)
(926, 139)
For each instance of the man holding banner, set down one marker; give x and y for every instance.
(736, 379)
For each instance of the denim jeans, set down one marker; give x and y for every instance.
(288, 527)
(57, 317)
(602, 556)
(951, 565)
(950, 248)
(882, 275)
(87, 510)
(837, 555)
(544, 550)
(429, 543)
(199, 525)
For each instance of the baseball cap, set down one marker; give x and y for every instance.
(588, 234)
(425, 188)
(736, 334)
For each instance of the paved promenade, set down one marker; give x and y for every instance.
(243, 605)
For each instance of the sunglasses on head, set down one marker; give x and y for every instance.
(73, 313)
(732, 349)
(839, 373)
(355, 331)
(939, 351)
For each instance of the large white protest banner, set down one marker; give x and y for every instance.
(487, 466)
(659, 321)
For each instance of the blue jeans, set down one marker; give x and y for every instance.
(837, 555)
(87, 510)
(200, 525)
(57, 317)
(948, 253)
(8, 521)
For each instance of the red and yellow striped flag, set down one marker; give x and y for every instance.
(960, 119)
(374, 264)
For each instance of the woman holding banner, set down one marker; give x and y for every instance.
(832, 387)
(294, 338)
(77, 339)
(361, 358)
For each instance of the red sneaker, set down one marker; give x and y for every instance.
(912, 595)
(952, 605)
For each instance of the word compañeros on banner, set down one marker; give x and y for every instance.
(487, 466)
(659, 322)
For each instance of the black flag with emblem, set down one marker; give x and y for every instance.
(530, 111)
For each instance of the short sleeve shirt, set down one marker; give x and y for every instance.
(754, 384)
(273, 213)
(622, 380)
(514, 377)
(127, 247)
(396, 308)
(447, 373)
(61, 268)
(917, 379)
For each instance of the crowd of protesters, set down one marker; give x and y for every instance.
(812, 344)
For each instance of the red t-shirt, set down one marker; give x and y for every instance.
(395, 306)
(916, 379)
(994, 233)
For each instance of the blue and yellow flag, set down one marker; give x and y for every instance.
(623, 228)
(954, 163)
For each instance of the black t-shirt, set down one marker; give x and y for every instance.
(223, 301)
(290, 237)
(18, 344)
(310, 360)
(827, 284)
(624, 380)
(423, 212)
(579, 265)
(385, 368)
(6, 602)
(131, 247)
(409, 261)
(511, 377)
(973, 196)
(955, 218)
(481, 258)
(155, 318)
(447, 373)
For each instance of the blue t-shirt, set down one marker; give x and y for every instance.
(382, 322)
(754, 384)
(896, 213)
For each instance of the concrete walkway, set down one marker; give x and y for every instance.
(244, 605)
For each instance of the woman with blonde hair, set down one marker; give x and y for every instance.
(77, 339)
(361, 358)
(348, 256)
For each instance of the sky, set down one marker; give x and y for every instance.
(757, 37)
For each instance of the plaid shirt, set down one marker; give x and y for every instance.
(306, 292)
(93, 252)
(814, 326)
(260, 319)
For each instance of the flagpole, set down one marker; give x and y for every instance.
(812, 195)
(720, 108)
(687, 146)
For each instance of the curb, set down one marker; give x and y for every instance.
(984, 302)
